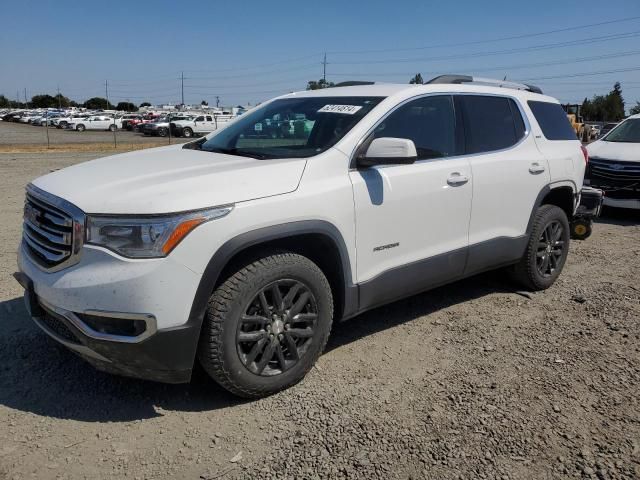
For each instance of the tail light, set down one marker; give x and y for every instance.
(585, 154)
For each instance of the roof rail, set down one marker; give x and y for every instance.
(353, 83)
(458, 79)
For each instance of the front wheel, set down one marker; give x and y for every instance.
(266, 325)
(80, 128)
(547, 249)
(112, 128)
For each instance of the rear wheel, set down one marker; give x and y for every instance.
(80, 128)
(112, 128)
(187, 132)
(547, 249)
(62, 124)
(163, 132)
(266, 325)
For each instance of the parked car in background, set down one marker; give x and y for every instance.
(200, 125)
(607, 127)
(63, 121)
(161, 126)
(96, 122)
(126, 119)
(614, 164)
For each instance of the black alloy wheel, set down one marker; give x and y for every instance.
(550, 249)
(276, 327)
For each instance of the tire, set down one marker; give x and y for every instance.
(113, 128)
(163, 132)
(581, 229)
(80, 127)
(258, 367)
(62, 125)
(187, 132)
(547, 249)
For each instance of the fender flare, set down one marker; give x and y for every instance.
(255, 237)
(544, 192)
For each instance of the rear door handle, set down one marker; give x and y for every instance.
(536, 168)
(456, 180)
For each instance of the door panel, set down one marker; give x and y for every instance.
(508, 174)
(409, 213)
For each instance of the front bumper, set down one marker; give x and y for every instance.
(159, 292)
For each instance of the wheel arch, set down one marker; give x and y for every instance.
(561, 194)
(318, 240)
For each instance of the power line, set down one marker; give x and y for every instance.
(493, 40)
(548, 46)
(586, 74)
(505, 67)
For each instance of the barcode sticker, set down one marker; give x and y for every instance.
(346, 109)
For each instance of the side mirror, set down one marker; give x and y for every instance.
(389, 151)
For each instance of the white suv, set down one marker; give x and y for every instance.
(241, 248)
(615, 165)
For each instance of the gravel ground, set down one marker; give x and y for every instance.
(473, 380)
(20, 134)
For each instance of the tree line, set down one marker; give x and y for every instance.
(60, 101)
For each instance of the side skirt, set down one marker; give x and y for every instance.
(423, 275)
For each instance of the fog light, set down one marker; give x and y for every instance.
(125, 327)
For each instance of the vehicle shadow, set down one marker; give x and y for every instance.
(619, 216)
(411, 308)
(39, 376)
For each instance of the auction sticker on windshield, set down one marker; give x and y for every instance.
(346, 109)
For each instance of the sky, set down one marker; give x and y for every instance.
(249, 51)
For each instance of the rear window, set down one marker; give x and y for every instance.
(552, 120)
(491, 123)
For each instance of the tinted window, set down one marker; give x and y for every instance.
(429, 121)
(552, 120)
(491, 123)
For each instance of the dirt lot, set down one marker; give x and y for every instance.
(19, 136)
(472, 380)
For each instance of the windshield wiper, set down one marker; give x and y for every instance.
(238, 152)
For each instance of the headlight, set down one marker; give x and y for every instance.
(147, 236)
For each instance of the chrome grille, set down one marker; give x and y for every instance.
(52, 230)
(615, 170)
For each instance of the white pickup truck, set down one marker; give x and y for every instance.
(200, 125)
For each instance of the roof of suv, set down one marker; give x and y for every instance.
(390, 89)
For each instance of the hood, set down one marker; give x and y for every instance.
(170, 179)
(620, 151)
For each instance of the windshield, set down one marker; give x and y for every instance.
(628, 132)
(290, 127)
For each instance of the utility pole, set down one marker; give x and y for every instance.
(217, 101)
(17, 96)
(59, 99)
(324, 69)
(182, 86)
(26, 104)
(106, 92)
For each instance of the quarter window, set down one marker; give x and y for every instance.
(552, 120)
(490, 123)
(429, 121)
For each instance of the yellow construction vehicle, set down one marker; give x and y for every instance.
(583, 131)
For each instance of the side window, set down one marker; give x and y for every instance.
(490, 123)
(552, 120)
(200, 119)
(429, 121)
(209, 119)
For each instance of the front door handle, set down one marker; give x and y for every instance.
(536, 168)
(456, 180)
